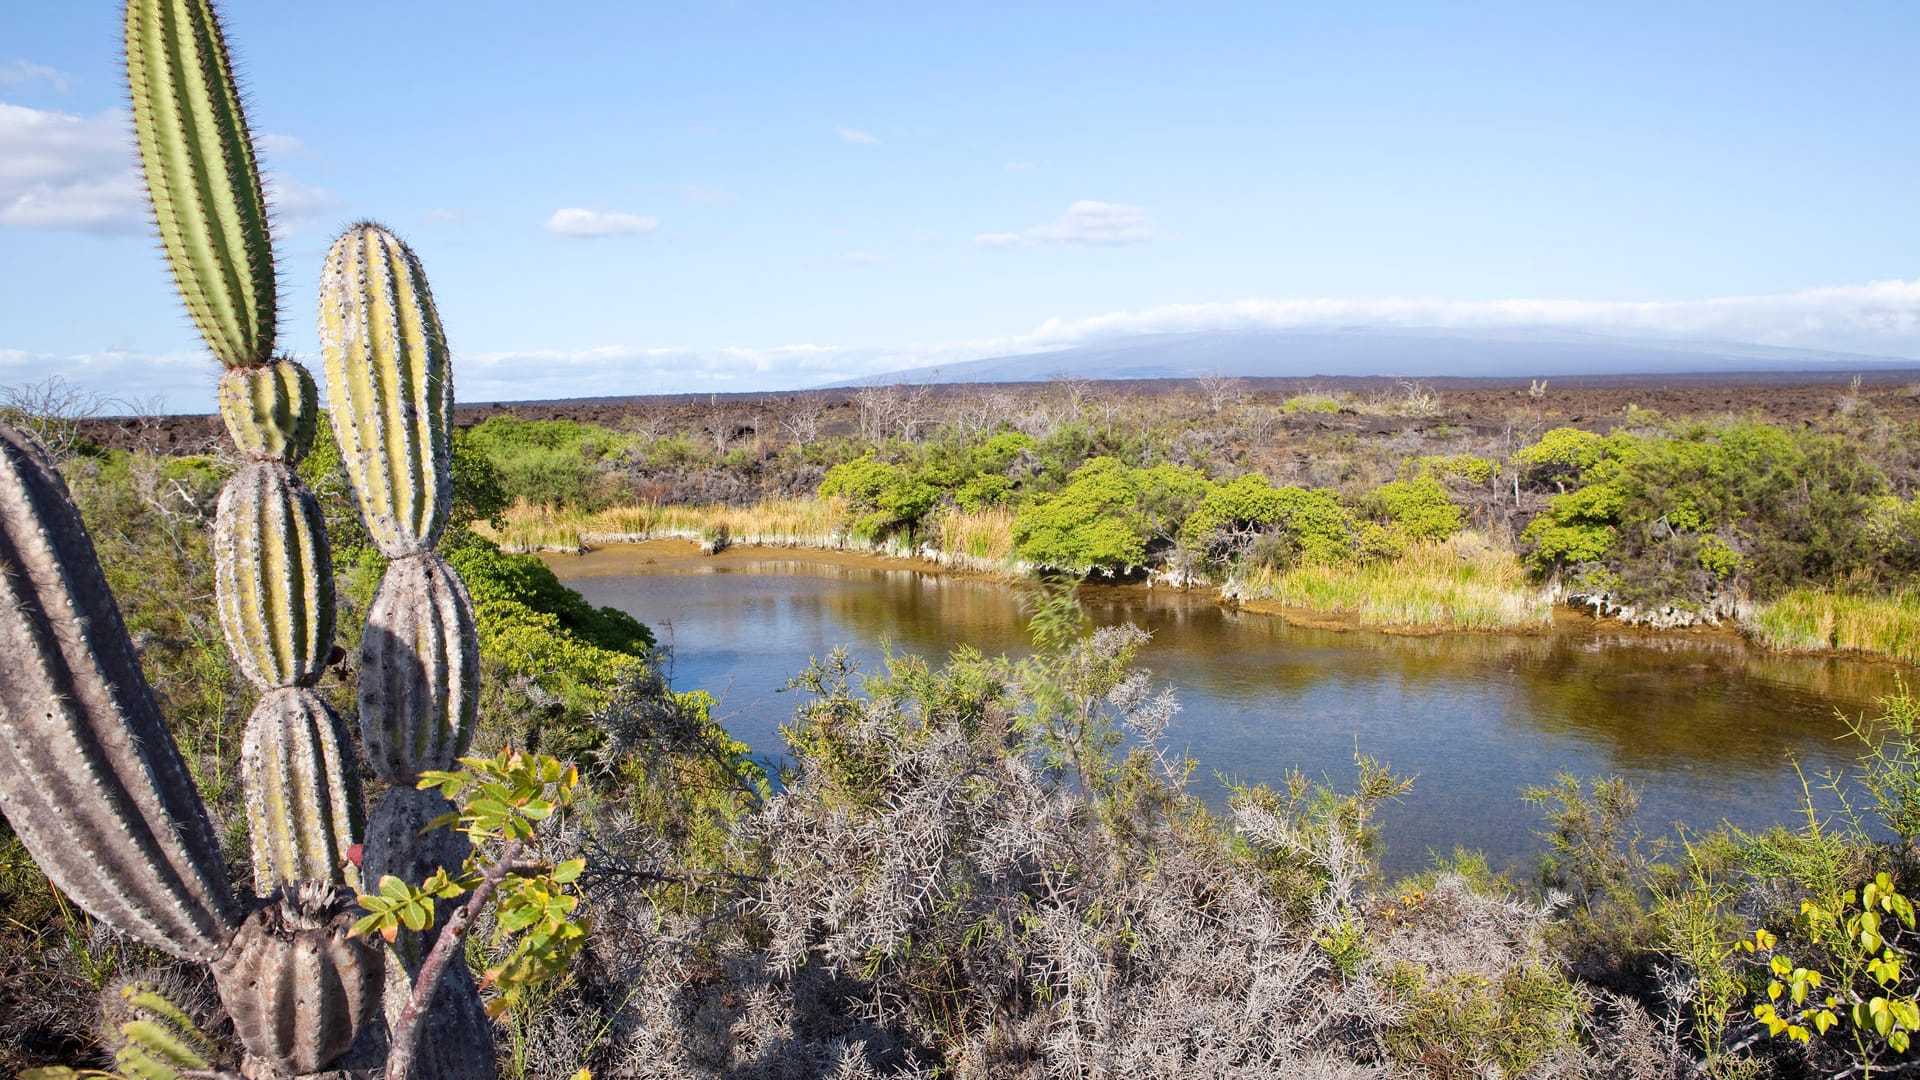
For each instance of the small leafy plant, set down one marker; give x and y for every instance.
(501, 803)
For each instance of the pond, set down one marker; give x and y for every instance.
(1709, 728)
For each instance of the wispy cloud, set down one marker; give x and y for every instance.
(23, 72)
(1881, 317)
(61, 171)
(295, 203)
(702, 195)
(274, 145)
(1087, 222)
(1876, 318)
(1017, 166)
(502, 376)
(177, 382)
(856, 136)
(587, 224)
(447, 218)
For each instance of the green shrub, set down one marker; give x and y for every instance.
(1311, 525)
(1469, 467)
(1419, 508)
(1561, 455)
(547, 462)
(1675, 518)
(1108, 515)
(889, 498)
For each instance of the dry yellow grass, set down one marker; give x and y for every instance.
(779, 523)
(984, 537)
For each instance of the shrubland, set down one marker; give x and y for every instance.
(1389, 511)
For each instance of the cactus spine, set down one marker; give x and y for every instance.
(201, 175)
(89, 776)
(157, 1040)
(290, 763)
(390, 396)
(297, 983)
(389, 387)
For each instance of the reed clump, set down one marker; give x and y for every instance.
(529, 527)
(1461, 583)
(1816, 619)
(980, 536)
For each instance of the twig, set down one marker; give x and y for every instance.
(407, 1029)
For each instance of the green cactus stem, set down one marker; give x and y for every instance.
(303, 799)
(89, 776)
(273, 577)
(201, 175)
(419, 669)
(389, 387)
(298, 984)
(271, 412)
(158, 1041)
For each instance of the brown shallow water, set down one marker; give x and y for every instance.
(1709, 727)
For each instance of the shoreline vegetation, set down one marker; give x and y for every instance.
(1794, 523)
(1462, 584)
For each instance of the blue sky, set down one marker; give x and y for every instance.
(623, 198)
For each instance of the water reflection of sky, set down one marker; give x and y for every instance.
(1708, 728)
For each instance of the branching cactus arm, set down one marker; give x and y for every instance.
(90, 778)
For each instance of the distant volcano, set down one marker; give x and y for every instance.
(1398, 351)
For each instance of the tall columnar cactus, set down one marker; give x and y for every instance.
(273, 577)
(201, 175)
(90, 778)
(390, 396)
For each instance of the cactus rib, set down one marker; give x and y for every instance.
(272, 412)
(273, 576)
(296, 980)
(389, 386)
(303, 800)
(419, 669)
(202, 178)
(89, 776)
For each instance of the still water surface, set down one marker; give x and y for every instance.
(1710, 729)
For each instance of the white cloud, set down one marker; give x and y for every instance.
(706, 196)
(295, 204)
(60, 171)
(281, 145)
(856, 137)
(621, 369)
(1017, 166)
(1087, 222)
(1877, 317)
(177, 382)
(23, 72)
(575, 222)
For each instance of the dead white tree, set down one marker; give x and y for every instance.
(51, 410)
(1220, 392)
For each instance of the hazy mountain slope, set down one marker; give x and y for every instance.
(1383, 351)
